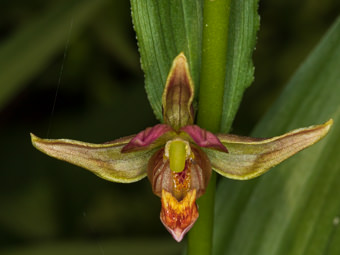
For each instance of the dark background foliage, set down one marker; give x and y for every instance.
(91, 89)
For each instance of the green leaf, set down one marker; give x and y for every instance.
(295, 208)
(243, 25)
(160, 40)
(31, 48)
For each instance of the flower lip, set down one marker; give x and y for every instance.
(178, 217)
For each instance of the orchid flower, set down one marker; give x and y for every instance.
(178, 156)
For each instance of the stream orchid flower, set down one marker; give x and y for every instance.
(178, 156)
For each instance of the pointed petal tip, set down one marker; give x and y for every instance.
(178, 234)
(38, 142)
(326, 127)
(33, 136)
(34, 139)
(181, 54)
(181, 58)
(323, 129)
(328, 124)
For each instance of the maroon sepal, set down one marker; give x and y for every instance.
(146, 137)
(204, 138)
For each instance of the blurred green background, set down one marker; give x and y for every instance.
(70, 69)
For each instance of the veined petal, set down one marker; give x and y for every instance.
(105, 160)
(251, 157)
(147, 137)
(178, 95)
(204, 138)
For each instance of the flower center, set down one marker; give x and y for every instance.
(177, 151)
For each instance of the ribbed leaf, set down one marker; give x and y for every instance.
(164, 29)
(24, 54)
(243, 25)
(295, 208)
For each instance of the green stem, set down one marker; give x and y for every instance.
(214, 61)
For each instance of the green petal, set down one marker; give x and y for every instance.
(178, 95)
(104, 160)
(250, 157)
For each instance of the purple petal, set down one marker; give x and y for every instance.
(204, 138)
(146, 137)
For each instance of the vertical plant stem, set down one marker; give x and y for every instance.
(214, 59)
